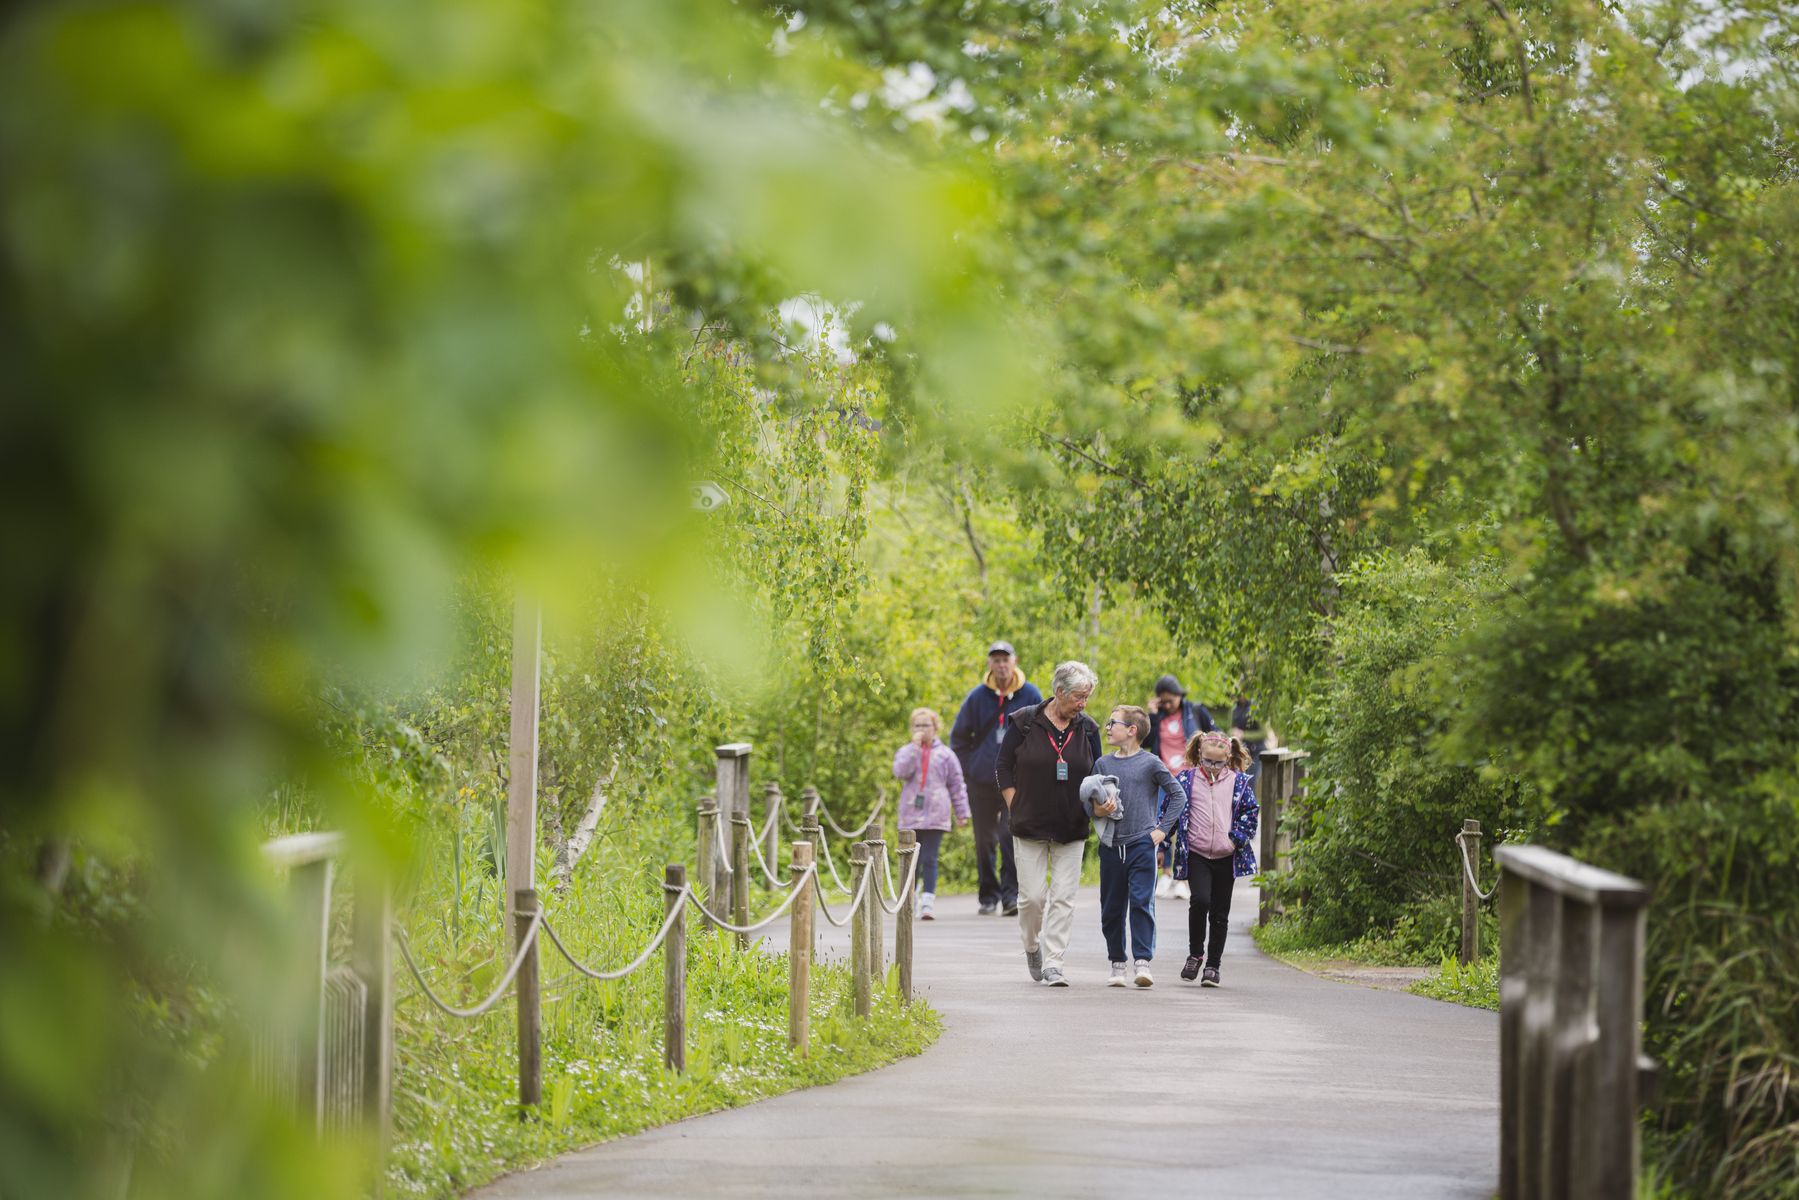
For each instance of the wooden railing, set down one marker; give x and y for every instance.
(1571, 1072)
(335, 1054)
(1280, 787)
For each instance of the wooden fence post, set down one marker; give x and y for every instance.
(372, 959)
(1268, 788)
(860, 885)
(811, 828)
(877, 925)
(674, 973)
(309, 885)
(1470, 855)
(771, 841)
(1292, 798)
(740, 875)
(733, 794)
(902, 922)
(706, 876)
(799, 951)
(530, 1004)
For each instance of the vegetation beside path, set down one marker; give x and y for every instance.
(456, 1116)
(1396, 960)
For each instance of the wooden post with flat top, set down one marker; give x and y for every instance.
(706, 876)
(521, 841)
(877, 925)
(902, 923)
(771, 839)
(799, 951)
(1268, 791)
(733, 792)
(740, 875)
(1470, 856)
(862, 892)
(530, 1004)
(674, 972)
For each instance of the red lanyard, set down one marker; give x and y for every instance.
(924, 768)
(1067, 736)
(1002, 709)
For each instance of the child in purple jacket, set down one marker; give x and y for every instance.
(933, 787)
(1212, 844)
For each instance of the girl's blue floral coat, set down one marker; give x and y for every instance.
(1244, 815)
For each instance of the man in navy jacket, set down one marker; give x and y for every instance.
(975, 737)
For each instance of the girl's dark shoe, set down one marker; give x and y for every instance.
(1211, 978)
(1191, 970)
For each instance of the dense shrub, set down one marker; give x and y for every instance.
(1375, 842)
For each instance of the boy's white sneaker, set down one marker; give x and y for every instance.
(1182, 891)
(1144, 978)
(1165, 885)
(1117, 979)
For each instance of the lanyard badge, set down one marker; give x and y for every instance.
(1058, 747)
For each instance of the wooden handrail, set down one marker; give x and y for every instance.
(1576, 880)
(299, 849)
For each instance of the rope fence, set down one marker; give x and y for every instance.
(773, 877)
(868, 822)
(500, 990)
(722, 879)
(1461, 840)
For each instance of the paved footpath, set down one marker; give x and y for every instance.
(1277, 1085)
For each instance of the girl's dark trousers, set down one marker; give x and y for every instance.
(1211, 880)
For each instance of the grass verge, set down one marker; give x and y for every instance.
(1476, 986)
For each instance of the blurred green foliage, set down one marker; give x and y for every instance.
(309, 310)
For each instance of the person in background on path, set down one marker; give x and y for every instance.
(1212, 845)
(933, 792)
(980, 727)
(1174, 720)
(1048, 751)
(1248, 728)
(1152, 804)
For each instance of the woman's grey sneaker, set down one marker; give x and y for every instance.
(1010, 910)
(1053, 976)
(1191, 969)
(1210, 978)
(1144, 978)
(1034, 960)
(989, 908)
(1117, 979)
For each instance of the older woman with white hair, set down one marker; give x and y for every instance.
(1048, 750)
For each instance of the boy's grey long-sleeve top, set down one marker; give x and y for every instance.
(1143, 779)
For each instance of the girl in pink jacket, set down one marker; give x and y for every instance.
(934, 795)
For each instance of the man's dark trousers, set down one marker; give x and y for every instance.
(993, 830)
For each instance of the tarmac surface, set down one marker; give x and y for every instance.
(1278, 1084)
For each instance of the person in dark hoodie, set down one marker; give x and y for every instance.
(1047, 753)
(975, 737)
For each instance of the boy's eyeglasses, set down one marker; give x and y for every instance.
(1111, 723)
